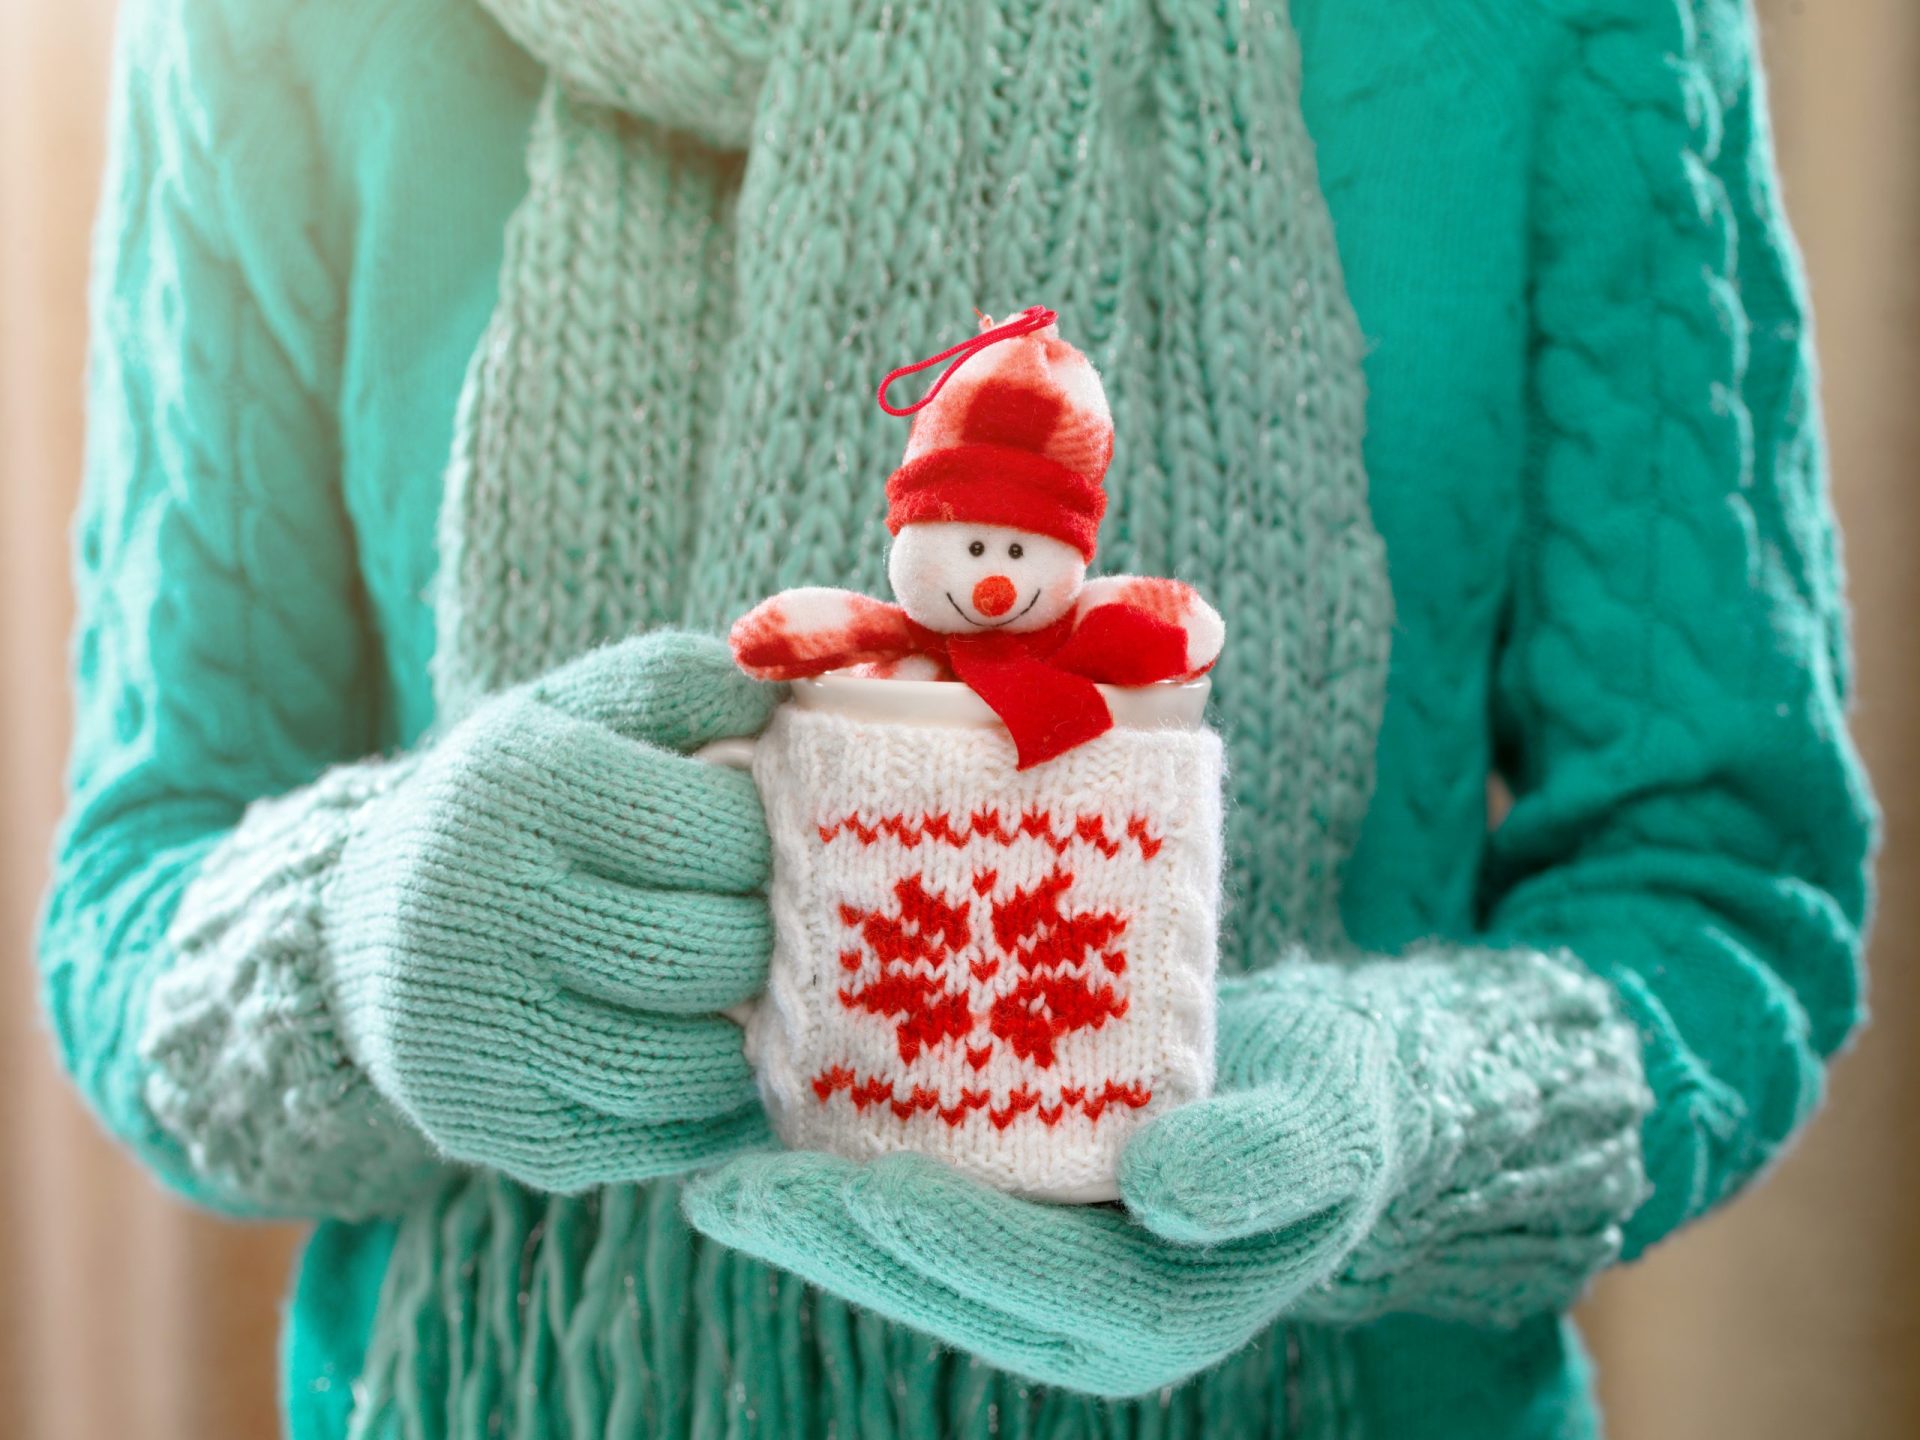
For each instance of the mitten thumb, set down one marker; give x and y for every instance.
(1312, 1140)
(672, 688)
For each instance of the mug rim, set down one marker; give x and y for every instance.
(1170, 705)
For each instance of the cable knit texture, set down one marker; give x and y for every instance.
(1592, 456)
(247, 1062)
(693, 67)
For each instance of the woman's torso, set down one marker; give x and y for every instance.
(1421, 141)
(1421, 130)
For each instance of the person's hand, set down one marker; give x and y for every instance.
(1454, 1135)
(534, 931)
(1479, 1108)
(1306, 1113)
(1089, 1297)
(1077, 1296)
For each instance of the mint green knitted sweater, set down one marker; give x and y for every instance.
(1593, 456)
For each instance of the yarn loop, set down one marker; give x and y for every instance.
(1034, 317)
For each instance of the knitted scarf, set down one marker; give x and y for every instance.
(739, 216)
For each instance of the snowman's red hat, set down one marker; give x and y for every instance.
(1015, 432)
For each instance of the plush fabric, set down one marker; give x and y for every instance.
(1120, 630)
(1015, 431)
(1593, 460)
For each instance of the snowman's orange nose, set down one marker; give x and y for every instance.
(994, 595)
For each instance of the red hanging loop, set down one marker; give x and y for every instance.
(1034, 317)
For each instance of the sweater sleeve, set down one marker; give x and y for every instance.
(1689, 817)
(1674, 904)
(221, 653)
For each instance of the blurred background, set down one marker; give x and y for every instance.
(1794, 1314)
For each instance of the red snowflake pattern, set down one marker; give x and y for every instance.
(913, 947)
(1056, 994)
(1059, 989)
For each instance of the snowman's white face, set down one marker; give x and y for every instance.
(961, 579)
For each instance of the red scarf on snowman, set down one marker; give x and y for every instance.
(1022, 439)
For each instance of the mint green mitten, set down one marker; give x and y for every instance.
(1077, 1296)
(1455, 1134)
(532, 932)
(1479, 1110)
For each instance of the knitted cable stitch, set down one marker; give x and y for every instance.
(1561, 229)
(242, 1014)
(694, 67)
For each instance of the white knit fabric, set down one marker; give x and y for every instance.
(1009, 971)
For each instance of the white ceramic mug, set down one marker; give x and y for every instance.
(1008, 970)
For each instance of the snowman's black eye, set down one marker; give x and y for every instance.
(978, 547)
(1014, 552)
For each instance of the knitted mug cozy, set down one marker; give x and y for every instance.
(995, 921)
(1009, 970)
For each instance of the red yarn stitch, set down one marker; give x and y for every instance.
(1020, 1100)
(831, 1079)
(927, 927)
(912, 948)
(1050, 1001)
(1041, 1010)
(928, 1014)
(1134, 1096)
(1062, 939)
(1053, 998)
(1038, 825)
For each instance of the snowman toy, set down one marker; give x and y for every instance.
(994, 513)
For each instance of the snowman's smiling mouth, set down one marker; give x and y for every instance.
(994, 625)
